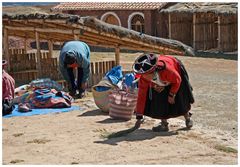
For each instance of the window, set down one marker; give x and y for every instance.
(111, 20)
(137, 23)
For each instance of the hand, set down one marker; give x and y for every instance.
(159, 89)
(171, 100)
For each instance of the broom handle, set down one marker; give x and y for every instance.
(138, 123)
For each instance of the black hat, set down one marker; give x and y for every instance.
(145, 63)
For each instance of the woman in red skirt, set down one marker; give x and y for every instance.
(164, 89)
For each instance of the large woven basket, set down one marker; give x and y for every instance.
(101, 99)
(122, 104)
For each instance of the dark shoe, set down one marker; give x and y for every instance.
(163, 127)
(72, 93)
(189, 123)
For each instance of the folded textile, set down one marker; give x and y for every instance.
(46, 83)
(115, 74)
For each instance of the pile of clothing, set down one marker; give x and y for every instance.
(43, 93)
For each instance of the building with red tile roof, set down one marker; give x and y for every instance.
(108, 6)
(204, 26)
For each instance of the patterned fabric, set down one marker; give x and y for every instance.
(46, 83)
(122, 104)
(46, 98)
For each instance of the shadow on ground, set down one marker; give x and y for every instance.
(218, 55)
(93, 113)
(110, 120)
(139, 134)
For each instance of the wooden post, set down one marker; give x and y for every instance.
(194, 31)
(50, 48)
(6, 48)
(169, 26)
(76, 37)
(117, 55)
(25, 45)
(38, 54)
(219, 33)
(204, 36)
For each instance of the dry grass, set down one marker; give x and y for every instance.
(16, 161)
(226, 149)
(17, 134)
(39, 141)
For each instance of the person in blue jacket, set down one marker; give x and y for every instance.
(75, 54)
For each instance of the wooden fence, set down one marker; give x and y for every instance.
(23, 67)
(180, 27)
(228, 32)
(206, 31)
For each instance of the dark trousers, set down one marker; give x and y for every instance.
(7, 107)
(76, 86)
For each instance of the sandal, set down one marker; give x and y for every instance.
(189, 123)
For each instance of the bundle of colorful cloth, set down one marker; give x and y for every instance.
(42, 93)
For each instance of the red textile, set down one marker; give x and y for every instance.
(171, 75)
(8, 86)
(74, 65)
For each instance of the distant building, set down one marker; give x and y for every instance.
(137, 16)
(203, 26)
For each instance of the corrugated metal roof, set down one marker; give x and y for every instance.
(108, 6)
(203, 7)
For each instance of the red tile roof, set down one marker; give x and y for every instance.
(108, 6)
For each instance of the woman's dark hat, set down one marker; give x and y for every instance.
(145, 63)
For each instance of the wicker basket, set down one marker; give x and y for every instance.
(122, 104)
(101, 99)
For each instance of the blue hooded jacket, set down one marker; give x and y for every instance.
(82, 53)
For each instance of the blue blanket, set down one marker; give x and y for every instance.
(115, 74)
(40, 111)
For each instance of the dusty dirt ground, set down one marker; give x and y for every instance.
(75, 137)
